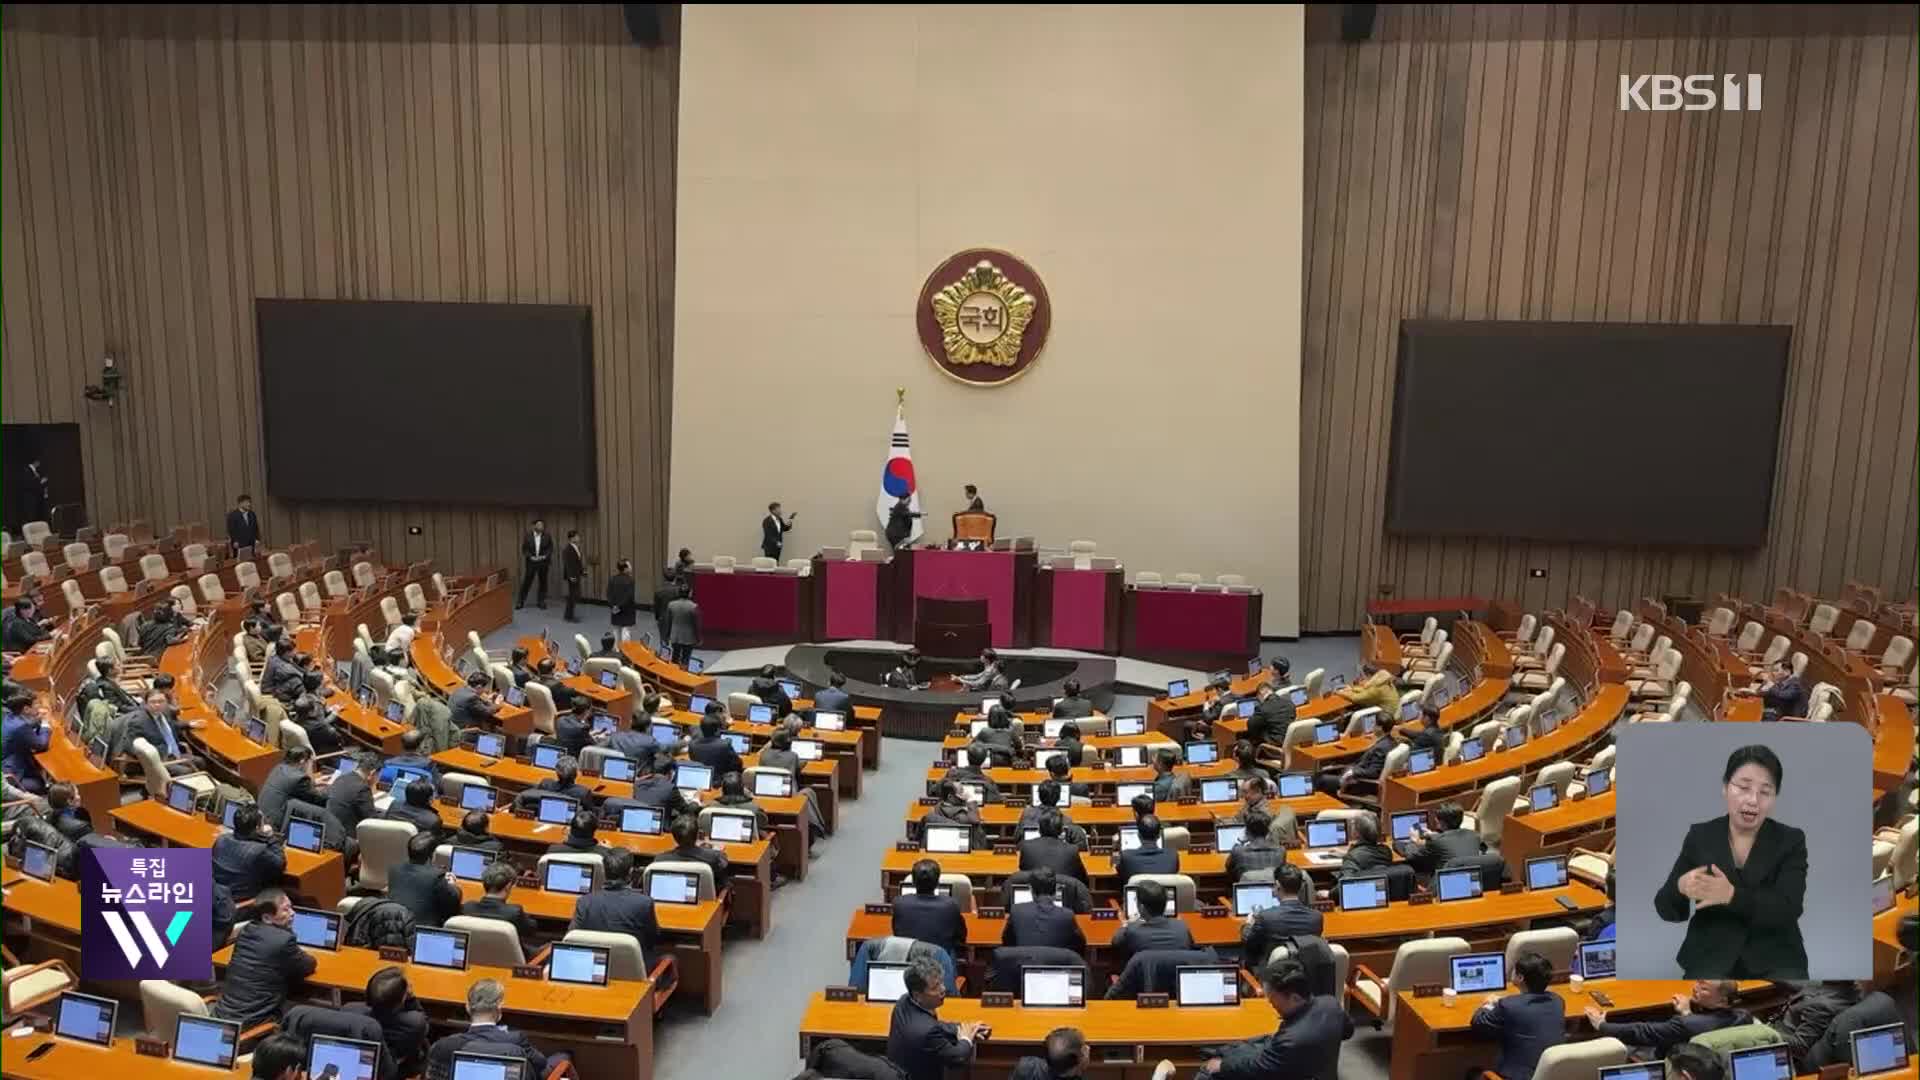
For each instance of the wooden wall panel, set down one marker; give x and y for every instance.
(1471, 161)
(162, 166)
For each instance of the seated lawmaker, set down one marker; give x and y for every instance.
(250, 859)
(24, 627)
(1376, 689)
(1050, 850)
(573, 729)
(833, 697)
(1690, 1062)
(580, 839)
(1149, 857)
(485, 1034)
(411, 758)
(952, 808)
(1047, 796)
(266, 964)
(999, 738)
(687, 847)
(473, 705)
(403, 1023)
(653, 784)
(1154, 929)
(566, 781)
(1809, 1013)
(1524, 1024)
(1366, 854)
(496, 881)
(711, 748)
(1060, 771)
(1708, 1008)
(1782, 693)
(1307, 1043)
(429, 892)
(517, 664)
(1273, 713)
(282, 678)
(1294, 915)
(923, 916)
(415, 807)
(906, 674)
(734, 795)
(1169, 785)
(1256, 797)
(1429, 735)
(635, 741)
(1602, 927)
(617, 908)
(1072, 705)
(974, 772)
(1041, 921)
(1427, 851)
(1875, 1008)
(766, 687)
(1257, 852)
(476, 831)
(1247, 762)
(547, 674)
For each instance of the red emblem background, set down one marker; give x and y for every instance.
(1031, 342)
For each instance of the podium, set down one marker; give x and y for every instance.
(951, 629)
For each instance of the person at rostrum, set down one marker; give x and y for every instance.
(1149, 857)
(1524, 1024)
(573, 571)
(974, 505)
(774, 529)
(617, 908)
(1049, 850)
(1041, 921)
(536, 554)
(989, 677)
(1740, 881)
(1152, 930)
(923, 916)
(1307, 1043)
(485, 1034)
(496, 881)
(918, 1041)
(1292, 916)
(623, 599)
(421, 887)
(1708, 1008)
(265, 965)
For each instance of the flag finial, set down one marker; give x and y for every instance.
(901, 393)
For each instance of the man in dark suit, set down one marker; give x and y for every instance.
(622, 598)
(1524, 1024)
(1168, 785)
(472, 705)
(421, 887)
(936, 920)
(1708, 1008)
(290, 781)
(1051, 852)
(282, 678)
(688, 848)
(1366, 853)
(39, 490)
(485, 1034)
(475, 832)
(24, 628)
(1874, 1009)
(833, 697)
(1152, 930)
(711, 748)
(403, 1023)
(774, 529)
(580, 839)
(900, 518)
(1257, 851)
(1041, 921)
(683, 625)
(1783, 693)
(1293, 916)
(243, 525)
(350, 796)
(667, 592)
(1427, 851)
(766, 687)
(979, 756)
(974, 505)
(251, 858)
(918, 1041)
(573, 729)
(497, 881)
(618, 909)
(415, 807)
(653, 783)
(157, 723)
(573, 571)
(635, 741)
(536, 554)
(1273, 713)
(1307, 1044)
(1071, 705)
(1149, 857)
(1060, 771)
(1809, 1013)
(265, 965)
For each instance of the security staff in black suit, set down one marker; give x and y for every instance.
(1307, 1044)
(774, 529)
(1071, 705)
(1049, 851)
(667, 592)
(1149, 857)
(497, 881)
(536, 553)
(39, 490)
(711, 748)
(1293, 916)
(1427, 851)
(251, 858)
(421, 887)
(1152, 930)
(922, 916)
(573, 571)
(266, 963)
(350, 796)
(1524, 1024)
(1041, 921)
(618, 909)
(1708, 1008)
(1740, 882)
(243, 525)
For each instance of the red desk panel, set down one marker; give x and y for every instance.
(852, 599)
(1078, 609)
(749, 607)
(955, 575)
(1199, 629)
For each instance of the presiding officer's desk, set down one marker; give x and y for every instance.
(318, 877)
(1434, 1039)
(1126, 1039)
(691, 931)
(608, 1029)
(69, 1058)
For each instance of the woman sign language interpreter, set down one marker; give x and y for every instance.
(1740, 882)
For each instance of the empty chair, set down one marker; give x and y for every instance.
(626, 962)
(1315, 680)
(739, 702)
(247, 575)
(1525, 631)
(383, 845)
(1666, 672)
(1543, 644)
(1147, 577)
(1905, 860)
(1415, 962)
(1897, 655)
(1543, 677)
(1557, 776)
(762, 562)
(111, 579)
(1776, 650)
(35, 533)
(78, 556)
(1432, 670)
(583, 647)
(800, 566)
(34, 564)
(723, 564)
(540, 703)
(162, 1004)
(416, 597)
(1425, 659)
(363, 575)
(1579, 1060)
(211, 590)
(1641, 640)
(439, 585)
(1186, 579)
(860, 540)
(115, 545)
(1823, 618)
(492, 942)
(1420, 640)
(1558, 945)
(390, 611)
(1622, 626)
(153, 567)
(288, 607)
(1496, 805)
(76, 600)
(1749, 638)
(182, 599)
(1720, 622)
(1230, 579)
(310, 599)
(280, 565)
(1682, 696)
(195, 556)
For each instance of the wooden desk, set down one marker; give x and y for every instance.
(1433, 1039)
(1208, 871)
(1449, 782)
(665, 676)
(1001, 820)
(691, 931)
(1115, 1029)
(69, 1059)
(49, 914)
(1887, 956)
(842, 746)
(1162, 710)
(608, 1029)
(319, 877)
(99, 787)
(1586, 822)
(1102, 780)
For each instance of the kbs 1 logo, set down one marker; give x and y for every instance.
(1691, 93)
(145, 914)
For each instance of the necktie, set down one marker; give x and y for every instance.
(173, 745)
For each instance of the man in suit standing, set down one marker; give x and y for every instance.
(573, 571)
(39, 490)
(774, 529)
(663, 598)
(621, 598)
(536, 552)
(243, 525)
(1048, 851)
(974, 505)
(900, 521)
(1524, 1024)
(683, 625)
(1041, 921)
(919, 1043)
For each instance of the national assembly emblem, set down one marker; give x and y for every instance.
(983, 316)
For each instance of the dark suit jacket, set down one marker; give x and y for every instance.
(283, 785)
(1073, 708)
(243, 528)
(573, 566)
(773, 535)
(350, 801)
(1146, 859)
(1525, 1025)
(485, 842)
(922, 1044)
(1440, 849)
(1052, 851)
(832, 699)
(245, 866)
(1836, 1044)
(1664, 1035)
(1365, 858)
(1156, 933)
(1270, 720)
(1155, 971)
(621, 598)
(617, 909)
(150, 731)
(1043, 922)
(492, 1039)
(1306, 1046)
(1254, 855)
(573, 734)
(488, 908)
(423, 889)
(1809, 1013)
(303, 1022)
(527, 547)
(421, 818)
(404, 1032)
(1288, 918)
(1757, 934)
(266, 962)
(468, 709)
(936, 920)
(718, 753)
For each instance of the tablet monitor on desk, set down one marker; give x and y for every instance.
(1403, 822)
(567, 877)
(546, 755)
(257, 730)
(85, 1018)
(1217, 677)
(343, 1059)
(1219, 791)
(1129, 725)
(1133, 902)
(617, 768)
(987, 705)
(1295, 785)
(1477, 973)
(440, 948)
(476, 797)
(829, 721)
(1325, 733)
(38, 861)
(1543, 797)
(1878, 1050)
(515, 696)
(697, 704)
(582, 965)
(1256, 665)
(1409, 709)
(1882, 893)
(695, 665)
(1047, 986)
(1420, 761)
(1458, 884)
(204, 1040)
(664, 732)
(692, 776)
(490, 744)
(468, 863)
(1473, 749)
(1208, 984)
(1596, 959)
(641, 820)
(603, 723)
(730, 829)
(792, 690)
(1177, 688)
(1019, 894)
(1547, 722)
(777, 785)
(1773, 1062)
(1130, 757)
(1645, 1070)
(886, 982)
(1050, 727)
(395, 712)
(948, 839)
(487, 1067)
(1363, 722)
(1129, 837)
(1516, 735)
(1246, 707)
(1598, 781)
(1042, 757)
(317, 929)
(1230, 837)
(1253, 897)
(1547, 872)
(738, 742)
(1298, 695)
(808, 749)
(1363, 893)
(180, 797)
(673, 887)
(555, 810)
(1126, 793)
(609, 678)
(760, 714)
(305, 834)
(1329, 833)
(1202, 752)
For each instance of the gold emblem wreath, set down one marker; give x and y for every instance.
(950, 303)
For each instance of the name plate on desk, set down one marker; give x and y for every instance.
(928, 800)
(523, 813)
(879, 909)
(529, 971)
(1106, 914)
(1102, 850)
(843, 993)
(1016, 802)
(393, 953)
(152, 1048)
(996, 999)
(1200, 849)
(1215, 911)
(988, 914)
(1323, 905)
(1419, 898)
(1187, 800)
(1150, 1001)
(1102, 800)
(1512, 887)
(1426, 990)
(1005, 849)
(905, 845)
(1097, 765)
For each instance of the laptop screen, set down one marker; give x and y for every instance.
(1041, 758)
(1409, 709)
(1230, 837)
(1882, 893)
(1472, 750)
(516, 696)
(1478, 972)
(1245, 708)
(204, 1040)
(316, 929)
(1126, 793)
(1324, 834)
(808, 749)
(674, 887)
(1596, 959)
(609, 678)
(1216, 791)
(1548, 872)
(1516, 735)
(1298, 695)
(615, 767)
(304, 834)
(760, 714)
(469, 863)
(487, 1067)
(38, 861)
(488, 744)
(1326, 733)
(603, 723)
(1130, 757)
(343, 1059)
(1420, 761)
(776, 785)
(1202, 753)
(476, 797)
(180, 797)
(86, 1018)
(792, 689)
(829, 721)
(1879, 1050)
(1645, 1070)
(1129, 837)
(1210, 985)
(1252, 897)
(440, 948)
(582, 964)
(1019, 894)
(690, 776)
(555, 810)
(568, 877)
(257, 730)
(1053, 987)
(641, 820)
(730, 829)
(664, 732)
(886, 982)
(395, 712)
(1761, 1063)
(947, 839)
(695, 665)
(1457, 884)
(1363, 893)
(1129, 725)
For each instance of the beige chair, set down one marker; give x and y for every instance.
(162, 1004)
(182, 599)
(78, 557)
(1776, 651)
(335, 583)
(594, 666)
(247, 575)
(1720, 622)
(1358, 720)
(1188, 579)
(1749, 639)
(195, 556)
(1797, 661)
(625, 960)
(1557, 775)
(155, 777)
(1529, 625)
(1396, 762)
(1082, 553)
(289, 609)
(390, 611)
(1425, 659)
(27, 987)
(1905, 858)
(1425, 672)
(861, 540)
(762, 562)
(383, 845)
(1672, 710)
(439, 582)
(490, 942)
(35, 533)
(211, 590)
(708, 813)
(1666, 673)
(1898, 654)
(1315, 680)
(452, 782)
(540, 701)
(803, 567)
(279, 566)
(699, 870)
(1822, 620)
(1186, 897)
(153, 568)
(364, 576)
(115, 545)
(1558, 945)
(416, 597)
(292, 735)
(1415, 962)
(1423, 640)
(76, 599)
(739, 702)
(310, 599)
(1230, 579)
(1342, 966)
(1622, 626)
(1176, 837)
(724, 564)
(1496, 805)
(582, 647)
(112, 580)
(1590, 866)
(1859, 636)
(1543, 644)
(1579, 1060)
(1542, 677)
(1299, 733)
(1147, 578)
